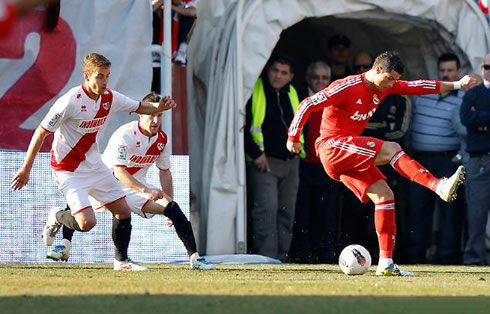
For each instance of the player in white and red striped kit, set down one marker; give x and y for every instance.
(76, 120)
(352, 159)
(131, 151)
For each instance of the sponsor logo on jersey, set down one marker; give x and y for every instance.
(122, 152)
(160, 146)
(361, 117)
(142, 160)
(318, 98)
(375, 99)
(54, 119)
(371, 144)
(83, 108)
(359, 101)
(93, 125)
(106, 105)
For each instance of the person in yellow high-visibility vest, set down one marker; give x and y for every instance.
(272, 171)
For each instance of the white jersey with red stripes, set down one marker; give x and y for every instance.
(348, 104)
(77, 120)
(129, 147)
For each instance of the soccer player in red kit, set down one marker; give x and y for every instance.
(353, 159)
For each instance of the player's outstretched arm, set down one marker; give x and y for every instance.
(128, 180)
(166, 103)
(466, 82)
(22, 176)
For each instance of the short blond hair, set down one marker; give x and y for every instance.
(94, 60)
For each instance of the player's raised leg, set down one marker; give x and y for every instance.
(446, 188)
(62, 251)
(384, 220)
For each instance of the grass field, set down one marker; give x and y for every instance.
(67, 288)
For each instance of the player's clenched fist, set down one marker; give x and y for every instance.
(293, 147)
(469, 81)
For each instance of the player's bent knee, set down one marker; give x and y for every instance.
(87, 225)
(392, 147)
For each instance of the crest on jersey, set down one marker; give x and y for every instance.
(375, 99)
(160, 146)
(138, 144)
(54, 119)
(371, 144)
(318, 98)
(79, 96)
(122, 152)
(83, 108)
(106, 105)
(359, 101)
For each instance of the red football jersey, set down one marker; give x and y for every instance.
(348, 104)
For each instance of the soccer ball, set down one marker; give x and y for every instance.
(354, 260)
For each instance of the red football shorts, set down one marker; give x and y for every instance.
(351, 160)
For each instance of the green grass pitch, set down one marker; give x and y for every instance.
(68, 288)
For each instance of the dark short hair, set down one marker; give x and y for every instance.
(449, 56)
(151, 97)
(389, 61)
(282, 60)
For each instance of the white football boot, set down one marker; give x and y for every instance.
(447, 187)
(52, 226)
(197, 262)
(128, 265)
(393, 270)
(60, 252)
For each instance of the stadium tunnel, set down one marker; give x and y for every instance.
(238, 37)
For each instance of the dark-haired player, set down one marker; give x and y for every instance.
(353, 159)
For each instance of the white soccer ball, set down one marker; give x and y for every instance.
(354, 260)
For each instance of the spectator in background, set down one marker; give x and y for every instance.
(475, 115)
(272, 171)
(435, 144)
(184, 16)
(315, 227)
(338, 56)
(390, 122)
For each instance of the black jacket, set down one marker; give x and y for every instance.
(278, 116)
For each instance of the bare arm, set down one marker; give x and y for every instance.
(166, 103)
(466, 82)
(128, 180)
(166, 182)
(190, 11)
(22, 176)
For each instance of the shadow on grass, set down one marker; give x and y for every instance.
(146, 303)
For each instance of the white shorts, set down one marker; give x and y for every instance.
(80, 188)
(136, 201)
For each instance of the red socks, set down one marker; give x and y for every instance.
(414, 171)
(384, 221)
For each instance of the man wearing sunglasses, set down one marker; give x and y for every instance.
(475, 115)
